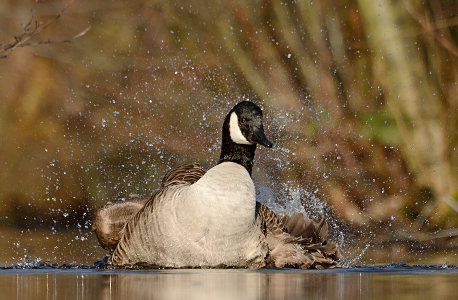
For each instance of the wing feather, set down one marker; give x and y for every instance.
(297, 241)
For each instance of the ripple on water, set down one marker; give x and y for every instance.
(40, 280)
(37, 264)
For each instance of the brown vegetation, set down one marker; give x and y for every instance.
(360, 99)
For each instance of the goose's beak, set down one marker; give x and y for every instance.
(260, 138)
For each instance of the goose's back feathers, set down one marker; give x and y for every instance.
(187, 174)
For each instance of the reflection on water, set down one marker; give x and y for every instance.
(226, 284)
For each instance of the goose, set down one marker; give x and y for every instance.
(212, 219)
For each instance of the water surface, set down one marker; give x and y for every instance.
(370, 282)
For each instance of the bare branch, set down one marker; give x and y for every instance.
(44, 42)
(32, 29)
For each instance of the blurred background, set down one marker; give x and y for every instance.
(100, 98)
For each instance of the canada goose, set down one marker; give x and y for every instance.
(212, 219)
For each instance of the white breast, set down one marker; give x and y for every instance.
(225, 198)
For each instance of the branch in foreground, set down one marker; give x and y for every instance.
(33, 28)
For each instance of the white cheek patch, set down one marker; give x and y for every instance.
(235, 132)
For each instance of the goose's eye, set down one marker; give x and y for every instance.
(243, 119)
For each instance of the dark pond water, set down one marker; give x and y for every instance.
(395, 281)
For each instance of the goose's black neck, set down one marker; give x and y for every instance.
(241, 154)
(238, 153)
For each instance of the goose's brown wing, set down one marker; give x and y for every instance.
(297, 241)
(183, 174)
(110, 220)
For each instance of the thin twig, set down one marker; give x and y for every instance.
(56, 41)
(32, 29)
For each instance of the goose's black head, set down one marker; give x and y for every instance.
(242, 131)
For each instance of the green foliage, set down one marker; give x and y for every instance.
(380, 125)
